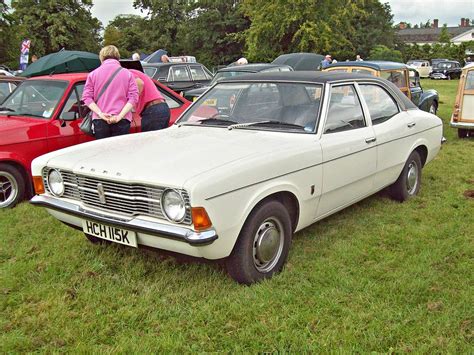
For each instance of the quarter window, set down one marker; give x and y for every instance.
(345, 111)
(381, 105)
(179, 73)
(197, 73)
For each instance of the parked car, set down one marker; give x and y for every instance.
(422, 66)
(397, 73)
(463, 114)
(446, 70)
(437, 60)
(8, 84)
(235, 180)
(44, 115)
(300, 61)
(236, 70)
(179, 76)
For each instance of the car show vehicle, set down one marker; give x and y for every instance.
(179, 76)
(397, 73)
(236, 70)
(449, 69)
(463, 114)
(8, 84)
(233, 179)
(422, 66)
(43, 115)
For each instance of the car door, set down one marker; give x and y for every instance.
(179, 78)
(349, 151)
(392, 128)
(63, 130)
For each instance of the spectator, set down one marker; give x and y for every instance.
(242, 61)
(111, 113)
(151, 105)
(34, 58)
(358, 58)
(468, 60)
(135, 56)
(326, 61)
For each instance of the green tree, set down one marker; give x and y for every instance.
(444, 36)
(126, 32)
(52, 25)
(385, 53)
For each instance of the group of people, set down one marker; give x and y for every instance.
(328, 60)
(112, 92)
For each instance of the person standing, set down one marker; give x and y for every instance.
(326, 61)
(358, 58)
(135, 56)
(112, 110)
(151, 105)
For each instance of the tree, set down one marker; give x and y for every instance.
(385, 53)
(52, 25)
(444, 36)
(126, 33)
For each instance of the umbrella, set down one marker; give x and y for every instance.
(155, 57)
(63, 62)
(300, 61)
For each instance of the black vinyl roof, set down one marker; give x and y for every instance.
(373, 64)
(321, 78)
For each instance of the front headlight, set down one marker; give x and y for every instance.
(173, 205)
(56, 183)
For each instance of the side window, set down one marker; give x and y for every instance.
(381, 105)
(345, 111)
(4, 90)
(363, 71)
(172, 103)
(197, 72)
(73, 108)
(469, 81)
(179, 73)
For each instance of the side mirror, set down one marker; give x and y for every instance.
(68, 116)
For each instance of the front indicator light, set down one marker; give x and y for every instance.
(201, 220)
(38, 185)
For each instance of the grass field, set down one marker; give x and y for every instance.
(379, 276)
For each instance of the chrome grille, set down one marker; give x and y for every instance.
(126, 199)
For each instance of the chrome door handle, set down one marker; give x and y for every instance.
(411, 124)
(370, 140)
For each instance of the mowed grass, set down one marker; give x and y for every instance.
(379, 276)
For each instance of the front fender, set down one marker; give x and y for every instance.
(15, 158)
(427, 98)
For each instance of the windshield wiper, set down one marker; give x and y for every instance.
(268, 122)
(23, 114)
(6, 109)
(213, 121)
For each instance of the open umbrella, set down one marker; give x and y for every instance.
(63, 62)
(300, 61)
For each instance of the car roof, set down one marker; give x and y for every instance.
(448, 61)
(318, 77)
(158, 65)
(469, 66)
(253, 68)
(66, 76)
(373, 64)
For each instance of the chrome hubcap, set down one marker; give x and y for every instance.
(268, 244)
(8, 189)
(412, 178)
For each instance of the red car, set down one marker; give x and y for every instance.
(44, 115)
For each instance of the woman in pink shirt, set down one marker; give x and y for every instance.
(151, 104)
(111, 111)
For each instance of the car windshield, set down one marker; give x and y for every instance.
(258, 105)
(444, 65)
(226, 74)
(36, 98)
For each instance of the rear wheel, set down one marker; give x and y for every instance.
(462, 133)
(263, 244)
(409, 181)
(12, 186)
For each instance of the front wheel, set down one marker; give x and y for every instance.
(263, 244)
(12, 186)
(409, 181)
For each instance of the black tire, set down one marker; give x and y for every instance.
(247, 264)
(433, 108)
(462, 133)
(95, 240)
(12, 186)
(404, 187)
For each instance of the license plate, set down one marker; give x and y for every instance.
(113, 234)
(210, 102)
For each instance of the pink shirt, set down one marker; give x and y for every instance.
(122, 89)
(149, 93)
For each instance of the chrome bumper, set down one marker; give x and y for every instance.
(135, 224)
(466, 125)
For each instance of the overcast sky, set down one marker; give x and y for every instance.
(413, 11)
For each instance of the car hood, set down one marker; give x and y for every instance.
(16, 129)
(169, 157)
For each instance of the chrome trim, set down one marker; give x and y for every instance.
(462, 125)
(134, 224)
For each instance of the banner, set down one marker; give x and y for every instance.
(24, 53)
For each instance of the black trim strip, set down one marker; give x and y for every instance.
(312, 166)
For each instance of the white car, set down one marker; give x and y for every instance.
(253, 160)
(422, 66)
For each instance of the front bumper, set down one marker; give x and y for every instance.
(438, 76)
(464, 125)
(134, 224)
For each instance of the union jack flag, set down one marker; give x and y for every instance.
(25, 46)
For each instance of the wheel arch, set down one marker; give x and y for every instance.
(422, 150)
(24, 173)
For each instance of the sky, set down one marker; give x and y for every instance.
(413, 11)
